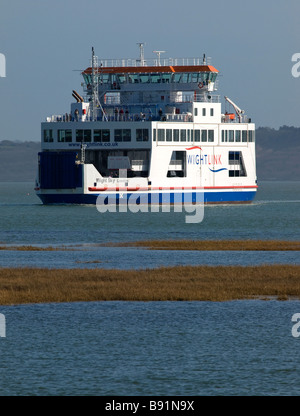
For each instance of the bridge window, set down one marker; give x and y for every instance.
(244, 136)
(87, 79)
(211, 135)
(121, 78)
(161, 135)
(155, 78)
(224, 135)
(205, 77)
(154, 135)
(185, 78)
(231, 135)
(64, 136)
(144, 78)
(166, 78)
(251, 135)
(197, 135)
(83, 136)
(142, 135)
(194, 77)
(102, 135)
(177, 77)
(176, 135)
(122, 135)
(104, 79)
(212, 76)
(48, 136)
(169, 135)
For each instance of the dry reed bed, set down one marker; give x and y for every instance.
(32, 248)
(214, 245)
(184, 283)
(201, 245)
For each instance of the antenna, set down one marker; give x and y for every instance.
(94, 85)
(142, 59)
(95, 103)
(158, 56)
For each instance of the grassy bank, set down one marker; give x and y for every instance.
(199, 283)
(32, 248)
(202, 245)
(213, 245)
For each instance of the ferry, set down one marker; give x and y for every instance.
(152, 129)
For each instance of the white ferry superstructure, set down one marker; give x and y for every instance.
(154, 129)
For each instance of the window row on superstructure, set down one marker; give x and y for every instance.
(204, 112)
(95, 135)
(183, 135)
(152, 78)
(237, 136)
(143, 135)
(202, 135)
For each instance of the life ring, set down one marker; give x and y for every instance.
(200, 85)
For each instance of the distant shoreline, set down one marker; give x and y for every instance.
(180, 283)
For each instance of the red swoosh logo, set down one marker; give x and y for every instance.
(194, 147)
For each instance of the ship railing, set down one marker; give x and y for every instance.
(116, 117)
(154, 62)
(233, 118)
(203, 98)
(171, 117)
(175, 98)
(185, 117)
(56, 118)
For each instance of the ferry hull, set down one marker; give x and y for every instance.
(220, 197)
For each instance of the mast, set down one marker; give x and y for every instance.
(94, 87)
(158, 53)
(142, 58)
(95, 103)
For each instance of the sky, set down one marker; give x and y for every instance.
(46, 43)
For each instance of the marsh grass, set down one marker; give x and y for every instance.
(201, 245)
(32, 248)
(215, 245)
(183, 283)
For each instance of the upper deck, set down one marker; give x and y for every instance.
(148, 90)
(184, 74)
(170, 65)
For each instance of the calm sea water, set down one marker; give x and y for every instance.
(275, 214)
(153, 348)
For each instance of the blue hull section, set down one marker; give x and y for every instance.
(232, 197)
